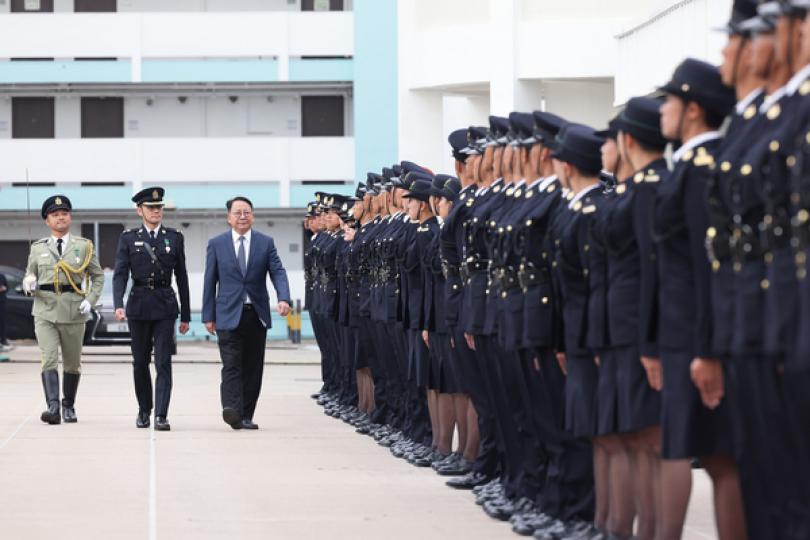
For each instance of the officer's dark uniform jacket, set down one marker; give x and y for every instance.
(452, 242)
(624, 228)
(679, 226)
(435, 305)
(412, 279)
(799, 164)
(505, 293)
(781, 200)
(476, 261)
(573, 272)
(151, 297)
(328, 274)
(387, 278)
(741, 132)
(531, 245)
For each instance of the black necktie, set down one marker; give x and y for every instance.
(153, 234)
(59, 246)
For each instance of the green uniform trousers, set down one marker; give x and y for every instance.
(53, 336)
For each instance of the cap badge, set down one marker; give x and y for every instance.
(58, 200)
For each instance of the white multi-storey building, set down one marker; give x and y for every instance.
(207, 98)
(276, 99)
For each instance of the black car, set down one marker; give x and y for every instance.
(101, 329)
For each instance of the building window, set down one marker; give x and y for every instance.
(32, 118)
(95, 6)
(107, 241)
(102, 117)
(32, 6)
(321, 5)
(322, 116)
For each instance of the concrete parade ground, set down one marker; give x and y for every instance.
(301, 475)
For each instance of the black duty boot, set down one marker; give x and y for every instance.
(70, 384)
(50, 383)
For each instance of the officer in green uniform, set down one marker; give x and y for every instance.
(65, 279)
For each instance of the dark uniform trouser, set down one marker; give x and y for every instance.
(242, 354)
(498, 377)
(145, 336)
(766, 448)
(569, 492)
(488, 458)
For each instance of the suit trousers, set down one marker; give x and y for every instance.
(145, 334)
(242, 354)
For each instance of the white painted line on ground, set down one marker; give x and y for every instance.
(152, 486)
(8, 439)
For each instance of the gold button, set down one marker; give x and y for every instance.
(716, 266)
(746, 169)
(801, 258)
(638, 178)
(528, 223)
(545, 300)
(774, 112)
(791, 161)
(803, 215)
(684, 87)
(765, 284)
(455, 286)
(586, 247)
(725, 166)
(774, 146)
(711, 232)
(503, 294)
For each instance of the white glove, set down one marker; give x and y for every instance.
(29, 284)
(85, 307)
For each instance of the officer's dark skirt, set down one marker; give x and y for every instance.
(418, 359)
(688, 428)
(444, 363)
(626, 400)
(580, 395)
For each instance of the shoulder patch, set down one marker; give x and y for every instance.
(703, 158)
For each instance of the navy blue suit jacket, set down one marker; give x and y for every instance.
(224, 286)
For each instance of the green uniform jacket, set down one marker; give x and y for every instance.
(63, 308)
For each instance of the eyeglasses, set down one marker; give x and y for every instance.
(242, 213)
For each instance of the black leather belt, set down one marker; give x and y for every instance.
(478, 266)
(530, 275)
(508, 279)
(151, 283)
(50, 288)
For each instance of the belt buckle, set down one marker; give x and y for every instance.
(150, 282)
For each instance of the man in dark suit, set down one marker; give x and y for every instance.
(236, 307)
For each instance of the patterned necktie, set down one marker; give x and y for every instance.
(241, 256)
(59, 246)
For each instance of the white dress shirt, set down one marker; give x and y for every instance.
(235, 239)
(65, 242)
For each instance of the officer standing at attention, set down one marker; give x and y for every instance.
(65, 279)
(151, 254)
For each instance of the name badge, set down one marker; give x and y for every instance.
(138, 243)
(43, 255)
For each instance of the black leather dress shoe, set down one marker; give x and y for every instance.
(143, 420)
(232, 418)
(161, 424)
(468, 481)
(248, 424)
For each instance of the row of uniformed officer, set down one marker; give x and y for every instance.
(611, 330)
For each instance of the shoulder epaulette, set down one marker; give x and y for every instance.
(703, 158)
(42, 241)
